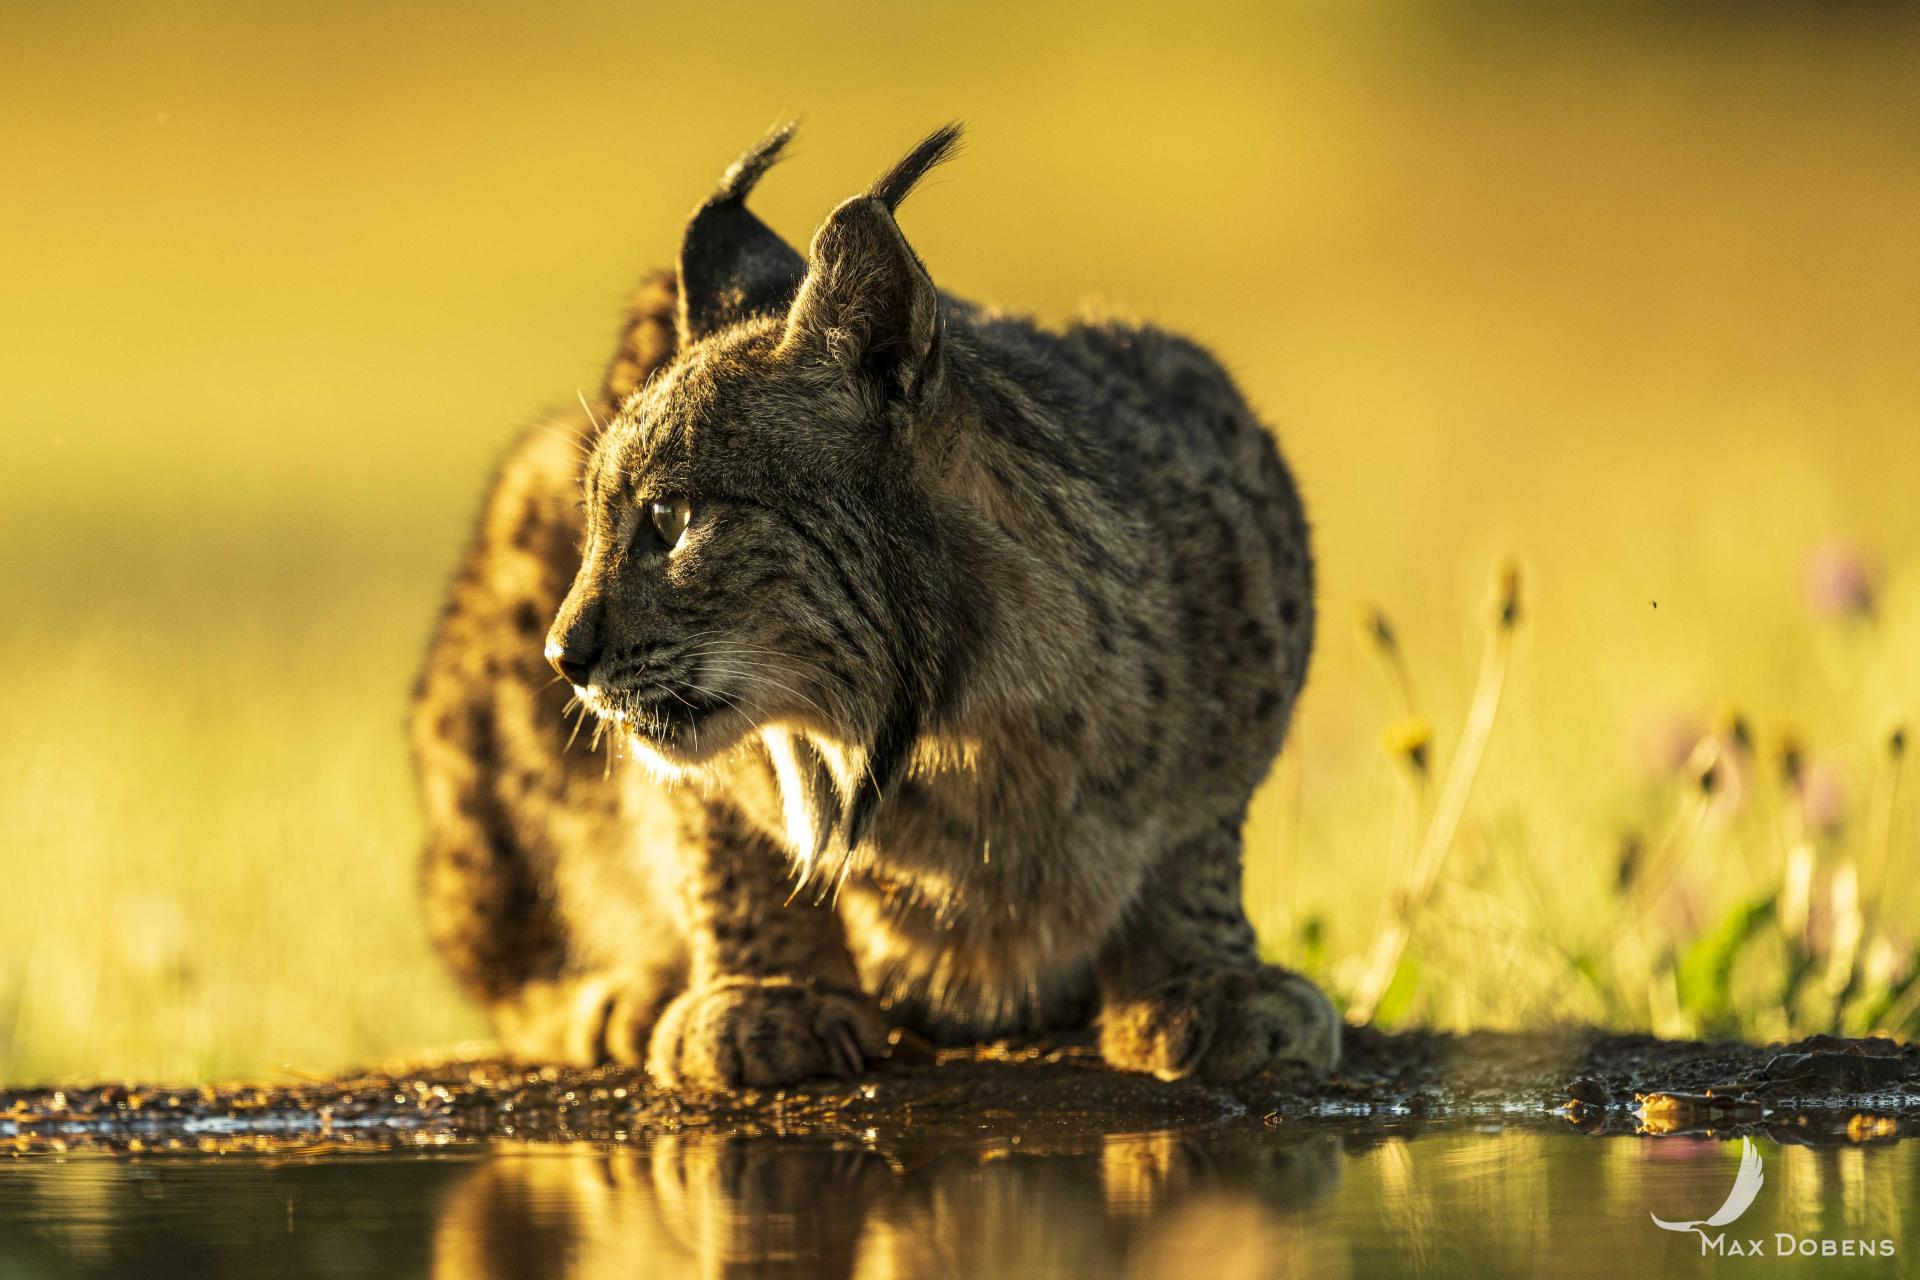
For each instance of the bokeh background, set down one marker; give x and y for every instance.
(1631, 294)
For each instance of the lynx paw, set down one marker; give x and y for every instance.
(763, 1032)
(1223, 1026)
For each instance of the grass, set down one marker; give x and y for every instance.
(1764, 907)
(1632, 299)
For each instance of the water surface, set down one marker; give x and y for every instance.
(1219, 1202)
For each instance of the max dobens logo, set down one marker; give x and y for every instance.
(1746, 1186)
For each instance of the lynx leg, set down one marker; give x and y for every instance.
(1183, 990)
(772, 995)
(508, 794)
(494, 914)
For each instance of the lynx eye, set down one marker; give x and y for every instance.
(669, 517)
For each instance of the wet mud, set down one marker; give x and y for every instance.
(1817, 1091)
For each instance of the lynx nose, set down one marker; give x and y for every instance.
(573, 660)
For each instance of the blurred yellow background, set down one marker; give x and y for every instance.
(1635, 298)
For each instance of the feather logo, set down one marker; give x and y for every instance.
(1746, 1185)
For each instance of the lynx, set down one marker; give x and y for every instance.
(938, 655)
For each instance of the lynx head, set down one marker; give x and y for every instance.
(761, 549)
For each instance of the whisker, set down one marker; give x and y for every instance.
(791, 659)
(752, 713)
(570, 436)
(581, 396)
(787, 663)
(736, 663)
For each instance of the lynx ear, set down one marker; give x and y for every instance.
(867, 300)
(732, 265)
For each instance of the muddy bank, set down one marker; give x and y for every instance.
(1814, 1091)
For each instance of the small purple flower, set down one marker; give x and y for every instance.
(1662, 741)
(1823, 798)
(1841, 581)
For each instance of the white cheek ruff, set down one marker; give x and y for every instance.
(808, 815)
(663, 770)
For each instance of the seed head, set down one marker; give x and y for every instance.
(1627, 864)
(1375, 631)
(1407, 741)
(1793, 761)
(1738, 732)
(1506, 594)
(1703, 766)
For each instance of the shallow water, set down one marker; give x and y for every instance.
(1218, 1203)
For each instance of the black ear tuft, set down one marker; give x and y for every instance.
(738, 182)
(867, 300)
(732, 265)
(897, 183)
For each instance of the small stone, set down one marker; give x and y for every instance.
(1589, 1092)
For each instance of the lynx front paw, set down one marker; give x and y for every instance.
(1223, 1026)
(763, 1032)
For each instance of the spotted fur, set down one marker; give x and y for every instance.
(945, 708)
